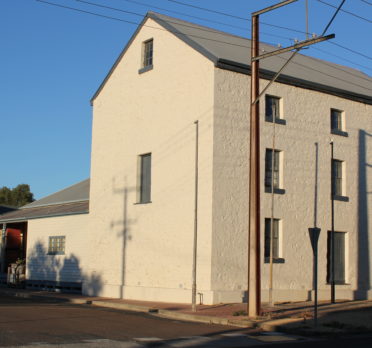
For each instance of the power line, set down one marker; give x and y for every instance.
(342, 58)
(191, 16)
(234, 16)
(137, 24)
(348, 12)
(177, 32)
(349, 49)
(268, 24)
(324, 73)
(368, 3)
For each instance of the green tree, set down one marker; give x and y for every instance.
(16, 197)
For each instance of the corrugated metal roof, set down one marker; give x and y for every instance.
(74, 193)
(233, 52)
(46, 211)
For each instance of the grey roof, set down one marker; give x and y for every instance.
(75, 193)
(53, 210)
(5, 208)
(71, 200)
(231, 52)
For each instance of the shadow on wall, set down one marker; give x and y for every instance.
(58, 272)
(124, 229)
(364, 268)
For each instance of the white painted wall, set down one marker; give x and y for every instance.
(307, 114)
(69, 267)
(144, 251)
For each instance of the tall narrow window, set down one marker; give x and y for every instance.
(337, 178)
(338, 123)
(145, 179)
(272, 174)
(339, 257)
(275, 238)
(147, 53)
(272, 108)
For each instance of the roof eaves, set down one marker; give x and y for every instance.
(293, 81)
(25, 219)
(54, 203)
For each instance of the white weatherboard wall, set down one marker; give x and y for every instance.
(69, 267)
(144, 251)
(307, 115)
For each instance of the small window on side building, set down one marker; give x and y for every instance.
(56, 245)
(144, 177)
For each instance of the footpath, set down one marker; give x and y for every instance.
(342, 317)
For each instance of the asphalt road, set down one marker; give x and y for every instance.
(33, 323)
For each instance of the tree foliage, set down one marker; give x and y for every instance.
(16, 197)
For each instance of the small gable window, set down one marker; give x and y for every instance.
(147, 55)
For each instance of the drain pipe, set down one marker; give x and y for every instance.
(195, 244)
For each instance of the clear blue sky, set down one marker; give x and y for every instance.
(53, 60)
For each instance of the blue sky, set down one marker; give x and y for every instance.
(53, 60)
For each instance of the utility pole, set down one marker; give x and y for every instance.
(254, 245)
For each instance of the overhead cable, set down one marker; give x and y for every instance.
(348, 12)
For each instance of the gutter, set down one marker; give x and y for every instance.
(289, 80)
(24, 219)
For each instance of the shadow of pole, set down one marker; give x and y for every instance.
(124, 233)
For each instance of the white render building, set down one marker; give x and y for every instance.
(136, 242)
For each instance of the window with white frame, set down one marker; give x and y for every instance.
(144, 177)
(338, 257)
(275, 240)
(273, 170)
(147, 53)
(337, 178)
(56, 245)
(273, 109)
(338, 122)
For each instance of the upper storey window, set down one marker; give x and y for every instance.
(338, 122)
(147, 55)
(273, 109)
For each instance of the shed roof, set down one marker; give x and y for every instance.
(71, 200)
(232, 52)
(75, 193)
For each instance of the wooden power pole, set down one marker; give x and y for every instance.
(254, 245)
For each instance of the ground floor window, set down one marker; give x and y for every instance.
(56, 245)
(339, 257)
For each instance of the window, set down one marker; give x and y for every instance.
(56, 245)
(273, 109)
(337, 122)
(272, 173)
(147, 55)
(339, 257)
(144, 178)
(276, 241)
